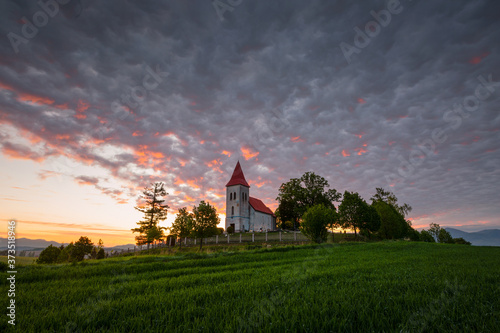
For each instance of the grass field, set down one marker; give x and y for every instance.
(387, 286)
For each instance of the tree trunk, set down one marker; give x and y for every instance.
(201, 243)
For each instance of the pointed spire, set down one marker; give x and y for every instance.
(238, 178)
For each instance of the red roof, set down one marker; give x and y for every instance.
(259, 206)
(238, 178)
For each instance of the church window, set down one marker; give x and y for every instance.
(232, 211)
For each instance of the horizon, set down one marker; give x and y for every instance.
(97, 103)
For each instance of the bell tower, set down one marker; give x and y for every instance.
(237, 206)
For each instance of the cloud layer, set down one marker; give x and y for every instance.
(157, 90)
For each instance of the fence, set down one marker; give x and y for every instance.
(248, 237)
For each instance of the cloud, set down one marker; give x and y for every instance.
(151, 91)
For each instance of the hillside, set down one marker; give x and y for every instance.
(489, 237)
(387, 286)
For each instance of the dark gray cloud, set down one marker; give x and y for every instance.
(184, 93)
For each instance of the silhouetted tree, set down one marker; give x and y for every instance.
(154, 211)
(49, 255)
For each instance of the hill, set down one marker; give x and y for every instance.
(386, 286)
(488, 237)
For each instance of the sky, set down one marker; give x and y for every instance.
(98, 99)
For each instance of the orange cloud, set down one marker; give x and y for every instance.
(82, 106)
(248, 153)
(296, 139)
(478, 59)
(137, 133)
(225, 152)
(25, 97)
(360, 135)
(345, 153)
(361, 151)
(361, 101)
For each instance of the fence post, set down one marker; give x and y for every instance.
(240, 237)
(266, 235)
(228, 234)
(253, 237)
(295, 236)
(216, 239)
(280, 236)
(185, 240)
(195, 241)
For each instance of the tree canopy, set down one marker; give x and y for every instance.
(299, 194)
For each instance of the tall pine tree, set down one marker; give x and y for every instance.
(154, 211)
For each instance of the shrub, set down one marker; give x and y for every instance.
(314, 223)
(461, 241)
(230, 229)
(49, 255)
(3, 266)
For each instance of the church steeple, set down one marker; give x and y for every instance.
(238, 178)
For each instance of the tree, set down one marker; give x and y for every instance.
(425, 236)
(434, 230)
(392, 223)
(183, 224)
(205, 221)
(154, 211)
(445, 237)
(355, 213)
(299, 194)
(49, 255)
(82, 247)
(390, 198)
(315, 221)
(66, 253)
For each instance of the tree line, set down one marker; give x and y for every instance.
(307, 204)
(200, 223)
(72, 252)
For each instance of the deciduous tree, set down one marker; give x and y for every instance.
(205, 220)
(299, 194)
(315, 221)
(183, 224)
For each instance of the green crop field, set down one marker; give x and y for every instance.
(374, 287)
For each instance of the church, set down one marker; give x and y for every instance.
(243, 212)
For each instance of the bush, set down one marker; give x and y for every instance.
(49, 255)
(314, 223)
(3, 266)
(230, 230)
(461, 241)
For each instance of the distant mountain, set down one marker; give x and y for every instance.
(28, 244)
(488, 237)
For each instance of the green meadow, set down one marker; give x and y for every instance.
(372, 287)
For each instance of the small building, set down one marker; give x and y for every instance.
(243, 212)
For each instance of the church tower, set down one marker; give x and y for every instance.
(237, 206)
